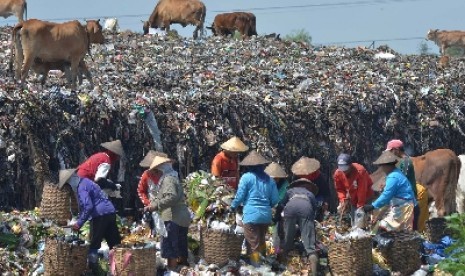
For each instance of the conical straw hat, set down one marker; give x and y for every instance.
(275, 170)
(158, 160)
(305, 166)
(387, 157)
(253, 159)
(235, 145)
(114, 146)
(64, 176)
(147, 161)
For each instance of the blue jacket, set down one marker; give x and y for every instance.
(397, 186)
(258, 192)
(93, 202)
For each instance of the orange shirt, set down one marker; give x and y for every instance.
(144, 189)
(358, 185)
(225, 167)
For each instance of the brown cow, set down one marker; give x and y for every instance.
(438, 171)
(52, 42)
(94, 29)
(446, 39)
(228, 23)
(184, 12)
(13, 7)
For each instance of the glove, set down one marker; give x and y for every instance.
(150, 208)
(368, 208)
(106, 184)
(76, 227)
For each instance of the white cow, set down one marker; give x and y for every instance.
(111, 25)
(460, 195)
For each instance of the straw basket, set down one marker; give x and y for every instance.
(133, 261)
(351, 257)
(404, 254)
(58, 204)
(219, 247)
(436, 228)
(63, 259)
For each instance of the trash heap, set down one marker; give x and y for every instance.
(269, 93)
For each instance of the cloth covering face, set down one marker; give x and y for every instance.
(258, 193)
(227, 168)
(358, 185)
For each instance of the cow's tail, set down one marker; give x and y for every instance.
(202, 20)
(25, 10)
(450, 203)
(16, 46)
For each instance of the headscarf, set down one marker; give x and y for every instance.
(167, 170)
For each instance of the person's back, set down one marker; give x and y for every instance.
(93, 201)
(301, 203)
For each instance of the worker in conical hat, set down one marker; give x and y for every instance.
(225, 164)
(98, 166)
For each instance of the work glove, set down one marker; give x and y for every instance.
(107, 184)
(368, 208)
(76, 227)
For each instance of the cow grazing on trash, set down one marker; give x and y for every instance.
(438, 171)
(228, 23)
(14, 7)
(184, 12)
(44, 42)
(446, 39)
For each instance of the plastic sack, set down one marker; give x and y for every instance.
(360, 219)
(159, 225)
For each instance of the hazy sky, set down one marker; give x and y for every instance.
(402, 24)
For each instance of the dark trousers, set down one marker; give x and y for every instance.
(416, 215)
(175, 244)
(104, 227)
(255, 236)
(278, 236)
(307, 233)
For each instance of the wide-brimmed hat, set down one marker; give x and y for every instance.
(387, 157)
(306, 183)
(64, 176)
(114, 146)
(147, 161)
(253, 159)
(275, 170)
(305, 166)
(235, 145)
(158, 160)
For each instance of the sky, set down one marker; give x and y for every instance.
(401, 24)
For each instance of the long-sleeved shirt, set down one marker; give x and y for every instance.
(227, 168)
(258, 192)
(171, 202)
(299, 203)
(93, 202)
(406, 167)
(148, 187)
(397, 186)
(358, 185)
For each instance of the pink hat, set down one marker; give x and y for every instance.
(394, 144)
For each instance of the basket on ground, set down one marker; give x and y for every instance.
(352, 257)
(435, 229)
(404, 254)
(218, 247)
(64, 259)
(133, 261)
(58, 204)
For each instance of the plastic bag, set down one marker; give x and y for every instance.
(360, 219)
(159, 225)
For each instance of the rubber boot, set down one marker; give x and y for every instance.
(92, 261)
(313, 264)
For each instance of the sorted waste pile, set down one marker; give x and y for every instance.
(270, 93)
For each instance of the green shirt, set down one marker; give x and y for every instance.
(406, 166)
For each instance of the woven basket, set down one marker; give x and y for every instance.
(436, 228)
(218, 247)
(404, 254)
(130, 261)
(351, 257)
(64, 259)
(58, 204)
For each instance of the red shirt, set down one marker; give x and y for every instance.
(143, 187)
(90, 166)
(358, 185)
(225, 167)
